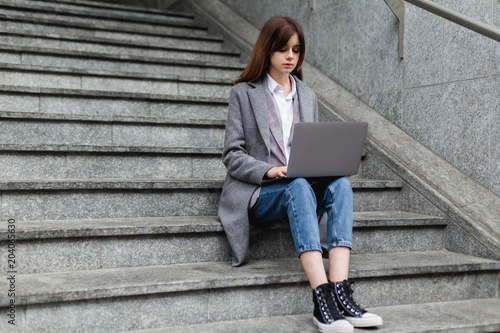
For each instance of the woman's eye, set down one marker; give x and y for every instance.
(296, 50)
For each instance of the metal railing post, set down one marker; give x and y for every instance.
(398, 8)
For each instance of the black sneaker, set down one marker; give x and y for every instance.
(357, 316)
(326, 314)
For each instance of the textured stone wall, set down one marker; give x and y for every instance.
(446, 90)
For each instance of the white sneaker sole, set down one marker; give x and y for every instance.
(338, 326)
(371, 320)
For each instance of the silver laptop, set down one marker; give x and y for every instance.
(327, 149)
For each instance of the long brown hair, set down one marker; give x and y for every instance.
(274, 36)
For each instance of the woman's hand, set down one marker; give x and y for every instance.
(277, 172)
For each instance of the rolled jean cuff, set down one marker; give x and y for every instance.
(309, 248)
(340, 243)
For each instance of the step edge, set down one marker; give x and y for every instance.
(106, 119)
(98, 149)
(121, 57)
(112, 42)
(109, 184)
(78, 93)
(82, 73)
(116, 6)
(58, 11)
(75, 25)
(274, 275)
(51, 229)
(150, 184)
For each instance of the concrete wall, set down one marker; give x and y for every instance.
(446, 90)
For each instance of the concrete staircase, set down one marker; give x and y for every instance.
(112, 122)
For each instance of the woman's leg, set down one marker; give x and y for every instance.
(338, 263)
(296, 201)
(312, 261)
(337, 202)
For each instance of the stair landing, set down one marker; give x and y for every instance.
(481, 315)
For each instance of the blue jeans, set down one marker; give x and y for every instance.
(296, 201)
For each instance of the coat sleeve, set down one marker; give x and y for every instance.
(241, 124)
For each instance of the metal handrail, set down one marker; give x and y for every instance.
(465, 21)
(397, 7)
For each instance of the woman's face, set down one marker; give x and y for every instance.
(284, 61)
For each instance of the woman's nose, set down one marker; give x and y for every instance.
(289, 55)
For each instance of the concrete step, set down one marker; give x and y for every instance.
(68, 245)
(33, 56)
(32, 162)
(215, 52)
(169, 38)
(160, 184)
(36, 116)
(111, 198)
(67, 132)
(45, 161)
(185, 294)
(99, 10)
(108, 198)
(115, 5)
(107, 149)
(470, 316)
(99, 19)
(108, 105)
(62, 78)
(30, 230)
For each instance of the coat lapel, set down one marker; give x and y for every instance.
(275, 124)
(306, 103)
(259, 107)
(258, 100)
(296, 115)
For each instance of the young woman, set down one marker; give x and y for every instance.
(266, 102)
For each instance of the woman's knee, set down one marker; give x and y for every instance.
(300, 185)
(300, 191)
(341, 185)
(344, 182)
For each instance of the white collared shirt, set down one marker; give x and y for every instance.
(285, 110)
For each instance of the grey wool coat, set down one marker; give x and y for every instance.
(246, 155)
